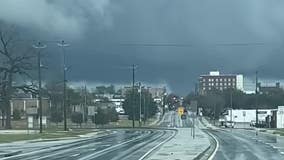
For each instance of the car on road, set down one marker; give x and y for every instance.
(229, 124)
(183, 116)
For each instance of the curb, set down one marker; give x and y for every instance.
(210, 151)
(200, 155)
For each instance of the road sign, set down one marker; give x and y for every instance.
(91, 110)
(261, 112)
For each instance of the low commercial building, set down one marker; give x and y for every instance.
(248, 115)
(272, 118)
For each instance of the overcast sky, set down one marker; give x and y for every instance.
(107, 36)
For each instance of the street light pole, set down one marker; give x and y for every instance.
(39, 46)
(256, 94)
(164, 102)
(133, 97)
(140, 104)
(144, 100)
(231, 103)
(63, 45)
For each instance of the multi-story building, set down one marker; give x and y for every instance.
(216, 81)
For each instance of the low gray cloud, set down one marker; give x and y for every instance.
(231, 36)
(57, 17)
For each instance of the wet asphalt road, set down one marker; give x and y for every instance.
(173, 120)
(121, 144)
(240, 144)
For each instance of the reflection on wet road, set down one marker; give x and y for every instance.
(240, 144)
(121, 144)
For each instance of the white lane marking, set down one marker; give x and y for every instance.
(107, 149)
(282, 152)
(64, 144)
(75, 155)
(217, 146)
(64, 151)
(151, 150)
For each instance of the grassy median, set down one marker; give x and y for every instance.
(46, 135)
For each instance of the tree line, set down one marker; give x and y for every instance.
(132, 101)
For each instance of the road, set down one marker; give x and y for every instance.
(173, 120)
(240, 144)
(121, 144)
(118, 144)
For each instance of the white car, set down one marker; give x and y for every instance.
(229, 124)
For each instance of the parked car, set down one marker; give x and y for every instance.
(252, 123)
(229, 124)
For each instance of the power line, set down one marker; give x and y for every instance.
(191, 45)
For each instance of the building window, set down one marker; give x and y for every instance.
(229, 84)
(217, 80)
(229, 79)
(221, 84)
(209, 88)
(225, 79)
(204, 80)
(221, 80)
(203, 88)
(216, 84)
(234, 80)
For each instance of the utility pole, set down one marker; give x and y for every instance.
(85, 103)
(63, 45)
(39, 46)
(133, 96)
(256, 96)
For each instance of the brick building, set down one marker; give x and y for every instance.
(216, 81)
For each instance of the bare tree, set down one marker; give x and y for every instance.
(16, 60)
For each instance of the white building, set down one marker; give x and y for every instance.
(248, 115)
(280, 117)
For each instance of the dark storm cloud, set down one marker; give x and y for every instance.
(95, 28)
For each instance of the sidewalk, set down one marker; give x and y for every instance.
(183, 146)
